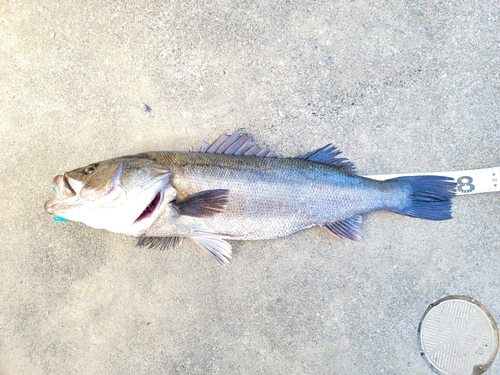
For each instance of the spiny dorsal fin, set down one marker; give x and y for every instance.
(219, 249)
(235, 144)
(328, 155)
(203, 204)
(162, 243)
(347, 228)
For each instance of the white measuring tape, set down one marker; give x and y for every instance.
(474, 181)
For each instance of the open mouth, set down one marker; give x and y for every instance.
(148, 211)
(63, 187)
(64, 194)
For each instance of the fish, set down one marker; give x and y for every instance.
(233, 189)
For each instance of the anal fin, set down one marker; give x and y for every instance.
(345, 229)
(216, 247)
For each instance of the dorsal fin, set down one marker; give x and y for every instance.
(242, 144)
(235, 144)
(328, 155)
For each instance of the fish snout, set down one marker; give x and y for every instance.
(50, 207)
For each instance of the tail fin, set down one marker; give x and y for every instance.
(431, 197)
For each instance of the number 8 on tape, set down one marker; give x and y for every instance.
(465, 185)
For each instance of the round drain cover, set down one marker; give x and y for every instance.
(458, 336)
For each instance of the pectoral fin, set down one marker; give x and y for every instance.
(203, 204)
(219, 249)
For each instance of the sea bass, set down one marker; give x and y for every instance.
(233, 189)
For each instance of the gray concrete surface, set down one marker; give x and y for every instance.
(398, 86)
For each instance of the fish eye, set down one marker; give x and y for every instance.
(89, 169)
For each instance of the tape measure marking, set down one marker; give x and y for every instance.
(474, 181)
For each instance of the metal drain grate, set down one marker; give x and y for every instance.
(458, 336)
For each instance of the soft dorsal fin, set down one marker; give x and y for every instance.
(345, 229)
(235, 144)
(328, 155)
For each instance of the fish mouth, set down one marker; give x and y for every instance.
(64, 191)
(151, 208)
(63, 185)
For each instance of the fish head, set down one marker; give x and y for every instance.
(122, 195)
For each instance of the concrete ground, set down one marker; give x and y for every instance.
(398, 86)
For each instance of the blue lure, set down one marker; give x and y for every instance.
(58, 218)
